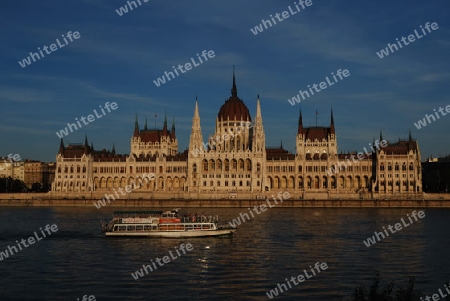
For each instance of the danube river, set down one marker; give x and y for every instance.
(274, 245)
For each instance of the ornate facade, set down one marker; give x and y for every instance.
(235, 161)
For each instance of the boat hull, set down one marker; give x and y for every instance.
(173, 234)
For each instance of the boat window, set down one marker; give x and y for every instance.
(140, 228)
(116, 229)
(122, 228)
(130, 228)
(147, 227)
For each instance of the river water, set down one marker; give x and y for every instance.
(279, 243)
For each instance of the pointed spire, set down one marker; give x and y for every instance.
(381, 136)
(61, 147)
(300, 123)
(136, 127)
(196, 114)
(145, 126)
(165, 124)
(196, 139)
(410, 137)
(173, 128)
(92, 145)
(332, 129)
(113, 149)
(258, 108)
(86, 145)
(234, 89)
(281, 145)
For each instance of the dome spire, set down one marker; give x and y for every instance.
(234, 89)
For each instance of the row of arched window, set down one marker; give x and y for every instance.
(396, 167)
(72, 168)
(227, 165)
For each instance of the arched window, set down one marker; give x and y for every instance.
(248, 165)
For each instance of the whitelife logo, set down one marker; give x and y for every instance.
(162, 80)
(423, 122)
(411, 38)
(165, 259)
(86, 298)
(124, 9)
(11, 158)
(259, 28)
(215, 141)
(237, 221)
(360, 156)
(436, 296)
(90, 118)
(371, 240)
(27, 61)
(322, 85)
(30, 240)
(128, 189)
(279, 289)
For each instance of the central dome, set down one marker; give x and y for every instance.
(234, 108)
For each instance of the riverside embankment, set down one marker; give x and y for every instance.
(389, 201)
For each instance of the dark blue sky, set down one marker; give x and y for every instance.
(118, 57)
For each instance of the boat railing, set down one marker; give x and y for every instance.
(188, 218)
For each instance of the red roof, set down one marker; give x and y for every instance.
(278, 153)
(152, 135)
(402, 147)
(318, 133)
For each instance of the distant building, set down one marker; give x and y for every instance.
(38, 173)
(235, 161)
(11, 168)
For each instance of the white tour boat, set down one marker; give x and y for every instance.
(168, 224)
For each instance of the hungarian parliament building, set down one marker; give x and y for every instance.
(235, 162)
